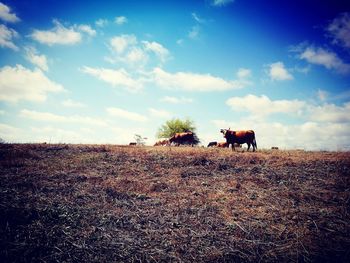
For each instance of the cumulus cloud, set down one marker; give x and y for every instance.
(6, 15)
(73, 104)
(157, 49)
(6, 37)
(120, 43)
(278, 72)
(101, 22)
(58, 35)
(339, 30)
(55, 118)
(221, 2)
(116, 78)
(120, 20)
(159, 113)
(323, 57)
(195, 82)
(121, 113)
(176, 100)
(330, 113)
(87, 29)
(244, 73)
(263, 106)
(36, 59)
(19, 83)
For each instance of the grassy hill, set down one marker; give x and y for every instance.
(101, 203)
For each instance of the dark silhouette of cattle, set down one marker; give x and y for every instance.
(162, 143)
(274, 148)
(240, 137)
(222, 144)
(184, 138)
(212, 144)
(133, 144)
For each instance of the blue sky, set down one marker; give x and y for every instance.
(102, 71)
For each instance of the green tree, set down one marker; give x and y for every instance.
(170, 127)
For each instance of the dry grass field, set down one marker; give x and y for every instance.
(103, 203)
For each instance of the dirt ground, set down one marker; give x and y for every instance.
(104, 203)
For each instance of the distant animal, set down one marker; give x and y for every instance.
(211, 144)
(132, 143)
(162, 143)
(184, 138)
(222, 144)
(274, 148)
(239, 137)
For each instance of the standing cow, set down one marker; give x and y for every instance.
(240, 137)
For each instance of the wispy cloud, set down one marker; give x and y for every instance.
(101, 22)
(6, 37)
(195, 82)
(339, 30)
(124, 114)
(116, 78)
(36, 59)
(197, 18)
(160, 51)
(176, 100)
(19, 83)
(73, 104)
(6, 15)
(55, 118)
(194, 32)
(87, 29)
(322, 57)
(277, 71)
(221, 2)
(120, 20)
(263, 106)
(159, 113)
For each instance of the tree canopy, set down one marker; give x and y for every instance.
(170, 127)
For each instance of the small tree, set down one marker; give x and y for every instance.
(139, 140)
(170, 127)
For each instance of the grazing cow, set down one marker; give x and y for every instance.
(211, 144)
(274, 148)
(162, 143)
(132, 144)
(222, 144)
(239, 137)
(184, 138)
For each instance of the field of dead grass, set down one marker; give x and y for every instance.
(103, 203)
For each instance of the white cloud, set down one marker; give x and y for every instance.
(58, 35)
(328, 59)
(175, 100)
(6, 15)
(73, 104)
(157, 49)
(19, 83)
(194, 82)
(36, 59)
(159, 113)
(87, 29)
(194, 32)
(197, 18)
(121, 113)
(244, 73)
(263, 106)
(221, 2)
(330, 113)
(339, 30)
(120, 43)
(120, 20)
(55, 118)
(135, 56)
(117, 78)
(101, 22)
(277, 71)
(6, 36)
(10, 133)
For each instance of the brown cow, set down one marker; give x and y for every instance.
(184, 138)
(162, 143)
(222, 144)
(240, 137)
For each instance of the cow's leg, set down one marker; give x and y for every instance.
(248, 146)
(233, 147)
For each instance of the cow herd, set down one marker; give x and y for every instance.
(234, 138)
